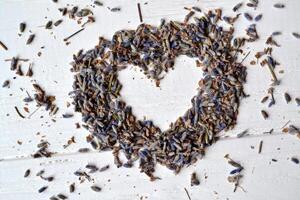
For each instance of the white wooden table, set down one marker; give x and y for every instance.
(263, 179)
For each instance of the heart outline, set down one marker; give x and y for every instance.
(186, 139)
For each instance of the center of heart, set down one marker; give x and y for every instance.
(161, 104)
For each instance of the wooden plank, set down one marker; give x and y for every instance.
(280, 178)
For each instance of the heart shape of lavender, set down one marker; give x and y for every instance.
(112, 123)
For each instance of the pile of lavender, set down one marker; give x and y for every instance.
(112, 123)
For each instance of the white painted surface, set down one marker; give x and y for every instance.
(263, 179)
